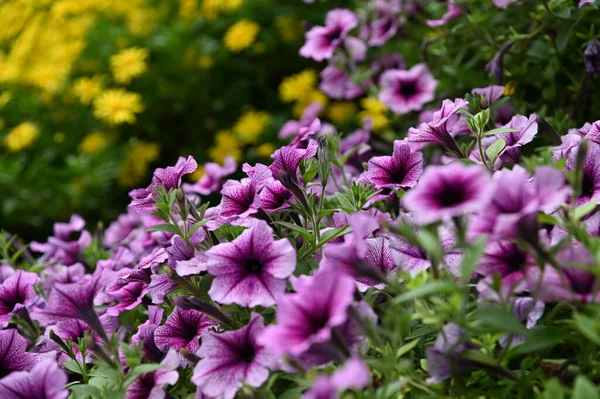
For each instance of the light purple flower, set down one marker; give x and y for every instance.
(526, 130)
(503, 3)
(185, 260)
(232, 359)
(452, 12)
(145, 334)
(160, 285)
(403, 91)
(590, 186)
(151, 385)
(528, 310)
(594, 132)
(354, 374)
(66, 244)
(275, 196)
(382, 29)
(591, 57)
(183, 330)
(447, 191)
(292, 127)
(212, 179)
(443, 358)
(496, 65)
(287, 159)
(13, 353)
(336, 84)
(401, 170)
(127, 296)
(252, 269)
(6, 271)
(488, 95)
(73, 330)
(46, 380)
(570, 143)
(16, 293)
(321, 41)
(584, 2)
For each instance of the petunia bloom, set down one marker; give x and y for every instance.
(13, 353)
(185, 260)
(443, 358)
(452, 12)
(354, 374)
(145, 334)
(337, 84)
(16, 293)
(321, 41)
(240, 199)
(151, 385)
(212, 179)
(66, 244)
(591, 56)
(252, 269)
(232, 359)
(488, 95)
(407, 90)
(401, 170)
(46, 380)
(447, 191)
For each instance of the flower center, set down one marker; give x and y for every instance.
(587, 185)
(581, 281)
(450, 196)
(246, 353)
(253, 266)
(516, 259)
(407, 89)
(334, 34)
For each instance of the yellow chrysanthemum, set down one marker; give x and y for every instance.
(197, 174)
(129, 64)
(142, 22)
(188, 9)
(225, 144)
(314, 96)
(297, 86)
(251, 125)
(341, 112)
(265, 150)
(21, 137)
(93, 143)
(117, 106)
(288, 28)
(241, 35)
(206, 61)
(86, 89)
(374, 110)
(137, 162)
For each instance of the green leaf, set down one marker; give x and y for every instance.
(165, 227)
(87, 390)
(553, 390)
(499, 319)
(332, 234)
(541, 338)
(471, 257)
(478, 356)
(584, 389)
(292, 393)
(72, 366)
(305, 233)
(404, 349)
(199, 224)
(579, 212)
(344, 202)
(548, 219)
(146, 368)
(588, 327)
(431, 244)
(429, 288)
(499, 131)
(495, 149)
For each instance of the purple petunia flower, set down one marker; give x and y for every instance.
(353, 375)
(593, 133)
(252, 269)
(232, 359)
(183, 330)
(185, 260)
(13, 353)
(447, 191)
(382, 29)
(584, 2)
(591, 57)
(16, 293)
(488, 95)
(503, 3)
(321, 41)
(496, 65)
(407, 90)
(66, 244)
(151, 385)
(287, 159)
(336, 84)
(145, 334)
(160, 285)
(401, 170)
(528, 311)
(275, 196)
(292, 127)
(590, 186)
(212, 179)
(452, 12)
(443, 358)
(240, 199)
(127, 296)
(46, 380)
(73, 330)
(438, 130)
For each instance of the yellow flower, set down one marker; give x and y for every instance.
(509, 88)
(21, 137)
(251, 125)
(93, 143)
(341, 112)
(211, 8)
(314, 96)
(137, 161)
(241, 35)
(117, 106)
(142, 22)
(188, 9)
(230, 6)
(265, 150)
(206, 61)
(197, 174)
(297, 86)
(374, 110)
(86, 89)
(128, 64)
(288, 28)
(373, 104)
(225, 144)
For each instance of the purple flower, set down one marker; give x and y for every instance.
(68, 241)
(16, 293)
(380, 256)
(590, 186)
(496, 65)
(292, 127)
(382, 29)
(488, 95)
(321, 41)
(145, 334)
(443, 358)
(5, 272)
(232, 359)
(275, 196)
(594, 132)
(128, 296)
(185, 260)
(252, 269)
(73, 330)
(353, 375)
(503, 3)
(213, 177)
(584, 2)
(13, 353)
(401, 170)
(183, 330)
(336, 84)
(287, 159)
(46, 380)
(151, 385)
(309, 316)
(407, 90)
(528, 310)
(241, 199)
(160, 285)
(452, 12)
(525, 128)
(438, 130)
(591, 56)
(447, 191)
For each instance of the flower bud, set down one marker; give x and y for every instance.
(591, 56)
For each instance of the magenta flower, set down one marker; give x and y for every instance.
(292, 127)
(590, 186)
(407, 90)
(241, 199)
(438, 130)
(46, 380)
(183, 330)
(447, 191)
(488, 95)
(336, 84)
(309, 316)
(401, 170)
(503, 3)
(321, 41)
(275, 196)
(145, 334)
(594, 132)
(443, 358)
(381, 257)
(151, 385)
(66, 244)
(127, 296)
(185, 260)
(353, 375)
(73, 330)
(212, 179)
(232, 359)
(13, 353)
(16, 293)
(252, 269)
(287, 159)
(526, 129)
(452, 12)
(382, 29)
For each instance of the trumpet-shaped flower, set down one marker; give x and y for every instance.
(407, 90)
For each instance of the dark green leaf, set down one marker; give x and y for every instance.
(165, 227)
(588, 327)
(499, 319)
(429, 288)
